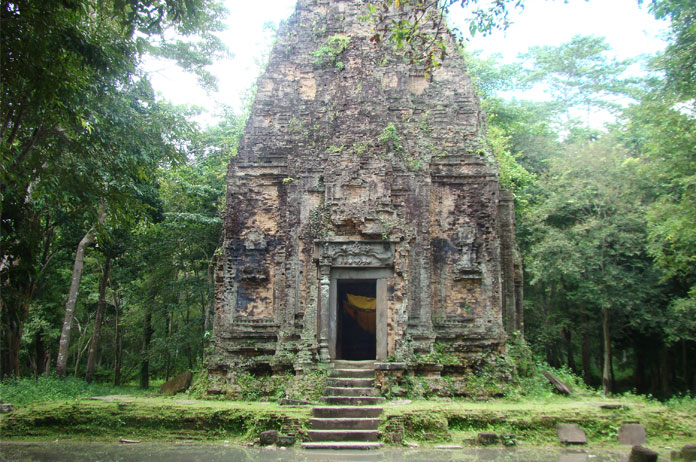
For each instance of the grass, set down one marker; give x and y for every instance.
(534, 421)
(24, 391)
(52, 408)
(151, 418)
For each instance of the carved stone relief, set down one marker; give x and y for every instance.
(355, 253)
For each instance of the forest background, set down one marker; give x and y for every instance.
(113, 194)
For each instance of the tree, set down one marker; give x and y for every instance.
(94, 343)
(588, 251)
(419, 26)
(679, 59)
(662, 131)
(63, 63)
(579, 75)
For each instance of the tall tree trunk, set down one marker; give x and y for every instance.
(64, 344)
(665, 372)
(606, 341)
(147, 336)
(168, 321)
(567, 334)
(94, 344)
(117, 342)
(47, 364)
(586, 357)
(40, 351)
(13, 326)
(80, 350)
(639, 373)
(685, 365)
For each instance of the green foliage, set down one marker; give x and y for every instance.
(319, 221)
(390, 138)
(679, 59)
(308, 386)
(25, 391)
(536, 386)
(489, 75)
(333, 149)
(328, 54)
(425, 425)
(664, 136)
(439, 355)
(84, 136)
(359, 148)
(521, 355)
(682, 403)
(579, 74)
(420, 29)
(295, 125)
(513, 176)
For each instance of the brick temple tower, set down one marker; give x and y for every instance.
(365, 218)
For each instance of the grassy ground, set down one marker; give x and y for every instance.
(533, 421)
(61, 409)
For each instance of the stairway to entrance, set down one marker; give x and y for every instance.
(351, 418)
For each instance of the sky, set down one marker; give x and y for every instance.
(629, 30)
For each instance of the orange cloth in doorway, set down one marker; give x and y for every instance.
(364, 303)
(366, 317)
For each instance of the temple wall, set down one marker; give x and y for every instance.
(360, 165)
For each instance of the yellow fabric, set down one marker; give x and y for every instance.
(364, 303)
(365, 318)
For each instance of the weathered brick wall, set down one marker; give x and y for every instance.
(358, 146)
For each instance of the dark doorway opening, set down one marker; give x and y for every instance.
(357, 308)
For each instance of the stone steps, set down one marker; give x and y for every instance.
(343, 423)
(349, 382)
(343, 435)
(348, 422)
(353, 373)
(353, 400)
(342, 445)
(346, 412)
(350, 391)
(345, 364)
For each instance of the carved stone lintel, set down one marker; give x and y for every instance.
(356, 253)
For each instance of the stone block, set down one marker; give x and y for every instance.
(178, 384)
(632, 434)
(571, 434)
(5, 408)
(611, 406)
(293, 402)
(285, 440)
(269, 437)
(688, 453)
(641, 454)
(487, 439)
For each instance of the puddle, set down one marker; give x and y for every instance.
(72, 451)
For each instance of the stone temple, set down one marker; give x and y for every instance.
(365, 219)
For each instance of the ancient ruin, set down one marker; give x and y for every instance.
(365, 218)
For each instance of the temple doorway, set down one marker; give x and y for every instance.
(356, 300)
